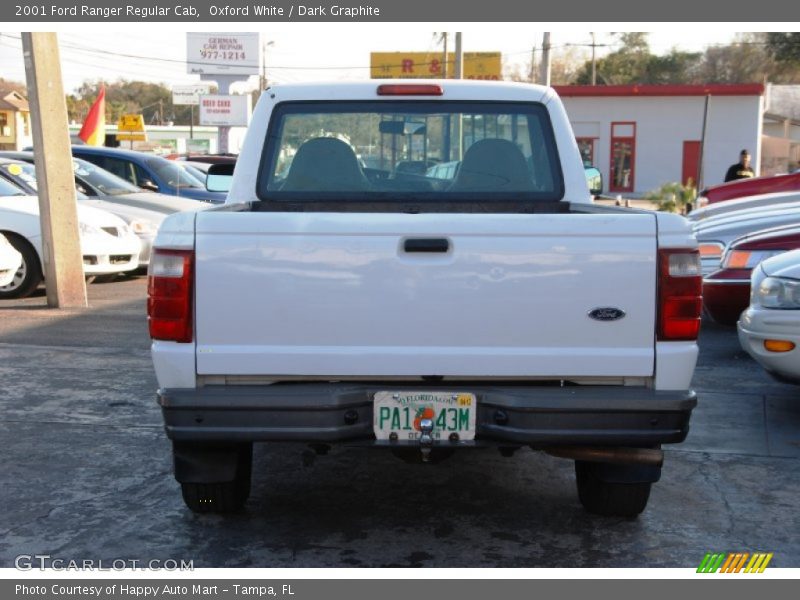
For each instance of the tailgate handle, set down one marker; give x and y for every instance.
(426, 245)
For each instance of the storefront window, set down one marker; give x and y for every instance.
(586, 147)
(623, 157)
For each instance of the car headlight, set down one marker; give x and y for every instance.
(777, 292)
(747, 259)
(140, 226)
(87, 229)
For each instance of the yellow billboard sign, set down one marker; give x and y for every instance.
(425, 65)
(132, 137)
(131, 123)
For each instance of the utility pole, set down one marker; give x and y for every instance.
(444, 55)
(459, 74)
(63, 259)
(533, 64)
(594, 60)
(459, 66)
(546, 59)
(263, 78)
(263, 83)
(700, 155)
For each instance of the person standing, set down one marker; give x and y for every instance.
(742, 169)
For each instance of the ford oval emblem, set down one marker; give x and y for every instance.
(607, 313)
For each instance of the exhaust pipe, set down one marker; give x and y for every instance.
(620, 456)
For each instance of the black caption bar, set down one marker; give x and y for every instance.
(373, 589)
(198, 11)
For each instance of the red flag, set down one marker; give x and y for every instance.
(93, 131)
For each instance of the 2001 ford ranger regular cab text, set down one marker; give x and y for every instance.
(419, 266)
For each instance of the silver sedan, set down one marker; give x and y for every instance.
(769, 330)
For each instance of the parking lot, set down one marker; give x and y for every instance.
(87, 472)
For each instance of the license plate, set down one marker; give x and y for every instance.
(400, 413)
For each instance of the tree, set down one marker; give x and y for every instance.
(153, 100)
(564, 66)
(634, 63)
(784, 47)
(675, 67)
(622, 66)
(746, 60)
(672, 197)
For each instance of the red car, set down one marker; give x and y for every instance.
(726, 292)
(754, 186)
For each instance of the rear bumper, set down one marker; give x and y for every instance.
(328, 413)
(725, 299)
(147, 249)
(759, 324)
(110, 254)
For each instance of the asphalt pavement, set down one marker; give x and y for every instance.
(87, 472)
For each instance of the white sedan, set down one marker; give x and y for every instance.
(108, 245)
(769, 330)
(10, 261)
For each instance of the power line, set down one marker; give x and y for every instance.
(107, 56)
(103, 53)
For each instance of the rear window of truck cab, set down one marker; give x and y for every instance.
(423, 152)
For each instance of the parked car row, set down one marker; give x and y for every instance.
(726, 292)
(149, 172)
(107, 244)
(118, 220)
(749, 236)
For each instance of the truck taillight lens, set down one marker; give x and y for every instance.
(169, 295)
(680, 301)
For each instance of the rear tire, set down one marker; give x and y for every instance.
(28, 276)
(609, 499)
(222, 497)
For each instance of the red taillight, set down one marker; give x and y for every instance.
(169, 295)
(680, 301)
(409, 89)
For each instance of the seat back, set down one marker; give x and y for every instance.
(325, 164)
(495, 165)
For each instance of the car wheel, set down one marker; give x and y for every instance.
(609, 499)
(28, 276)
(221, 497)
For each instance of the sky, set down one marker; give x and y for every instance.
(320, 51)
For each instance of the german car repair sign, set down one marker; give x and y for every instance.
(222, 53)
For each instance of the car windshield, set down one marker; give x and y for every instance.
(104, 182)
(392, 151)
(9, 189)
(22, 173)
(174, 174)
(197, 172)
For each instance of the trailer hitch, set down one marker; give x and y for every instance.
(426, 438)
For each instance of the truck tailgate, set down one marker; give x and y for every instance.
(495, 295)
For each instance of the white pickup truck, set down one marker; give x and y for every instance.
(419, 266)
